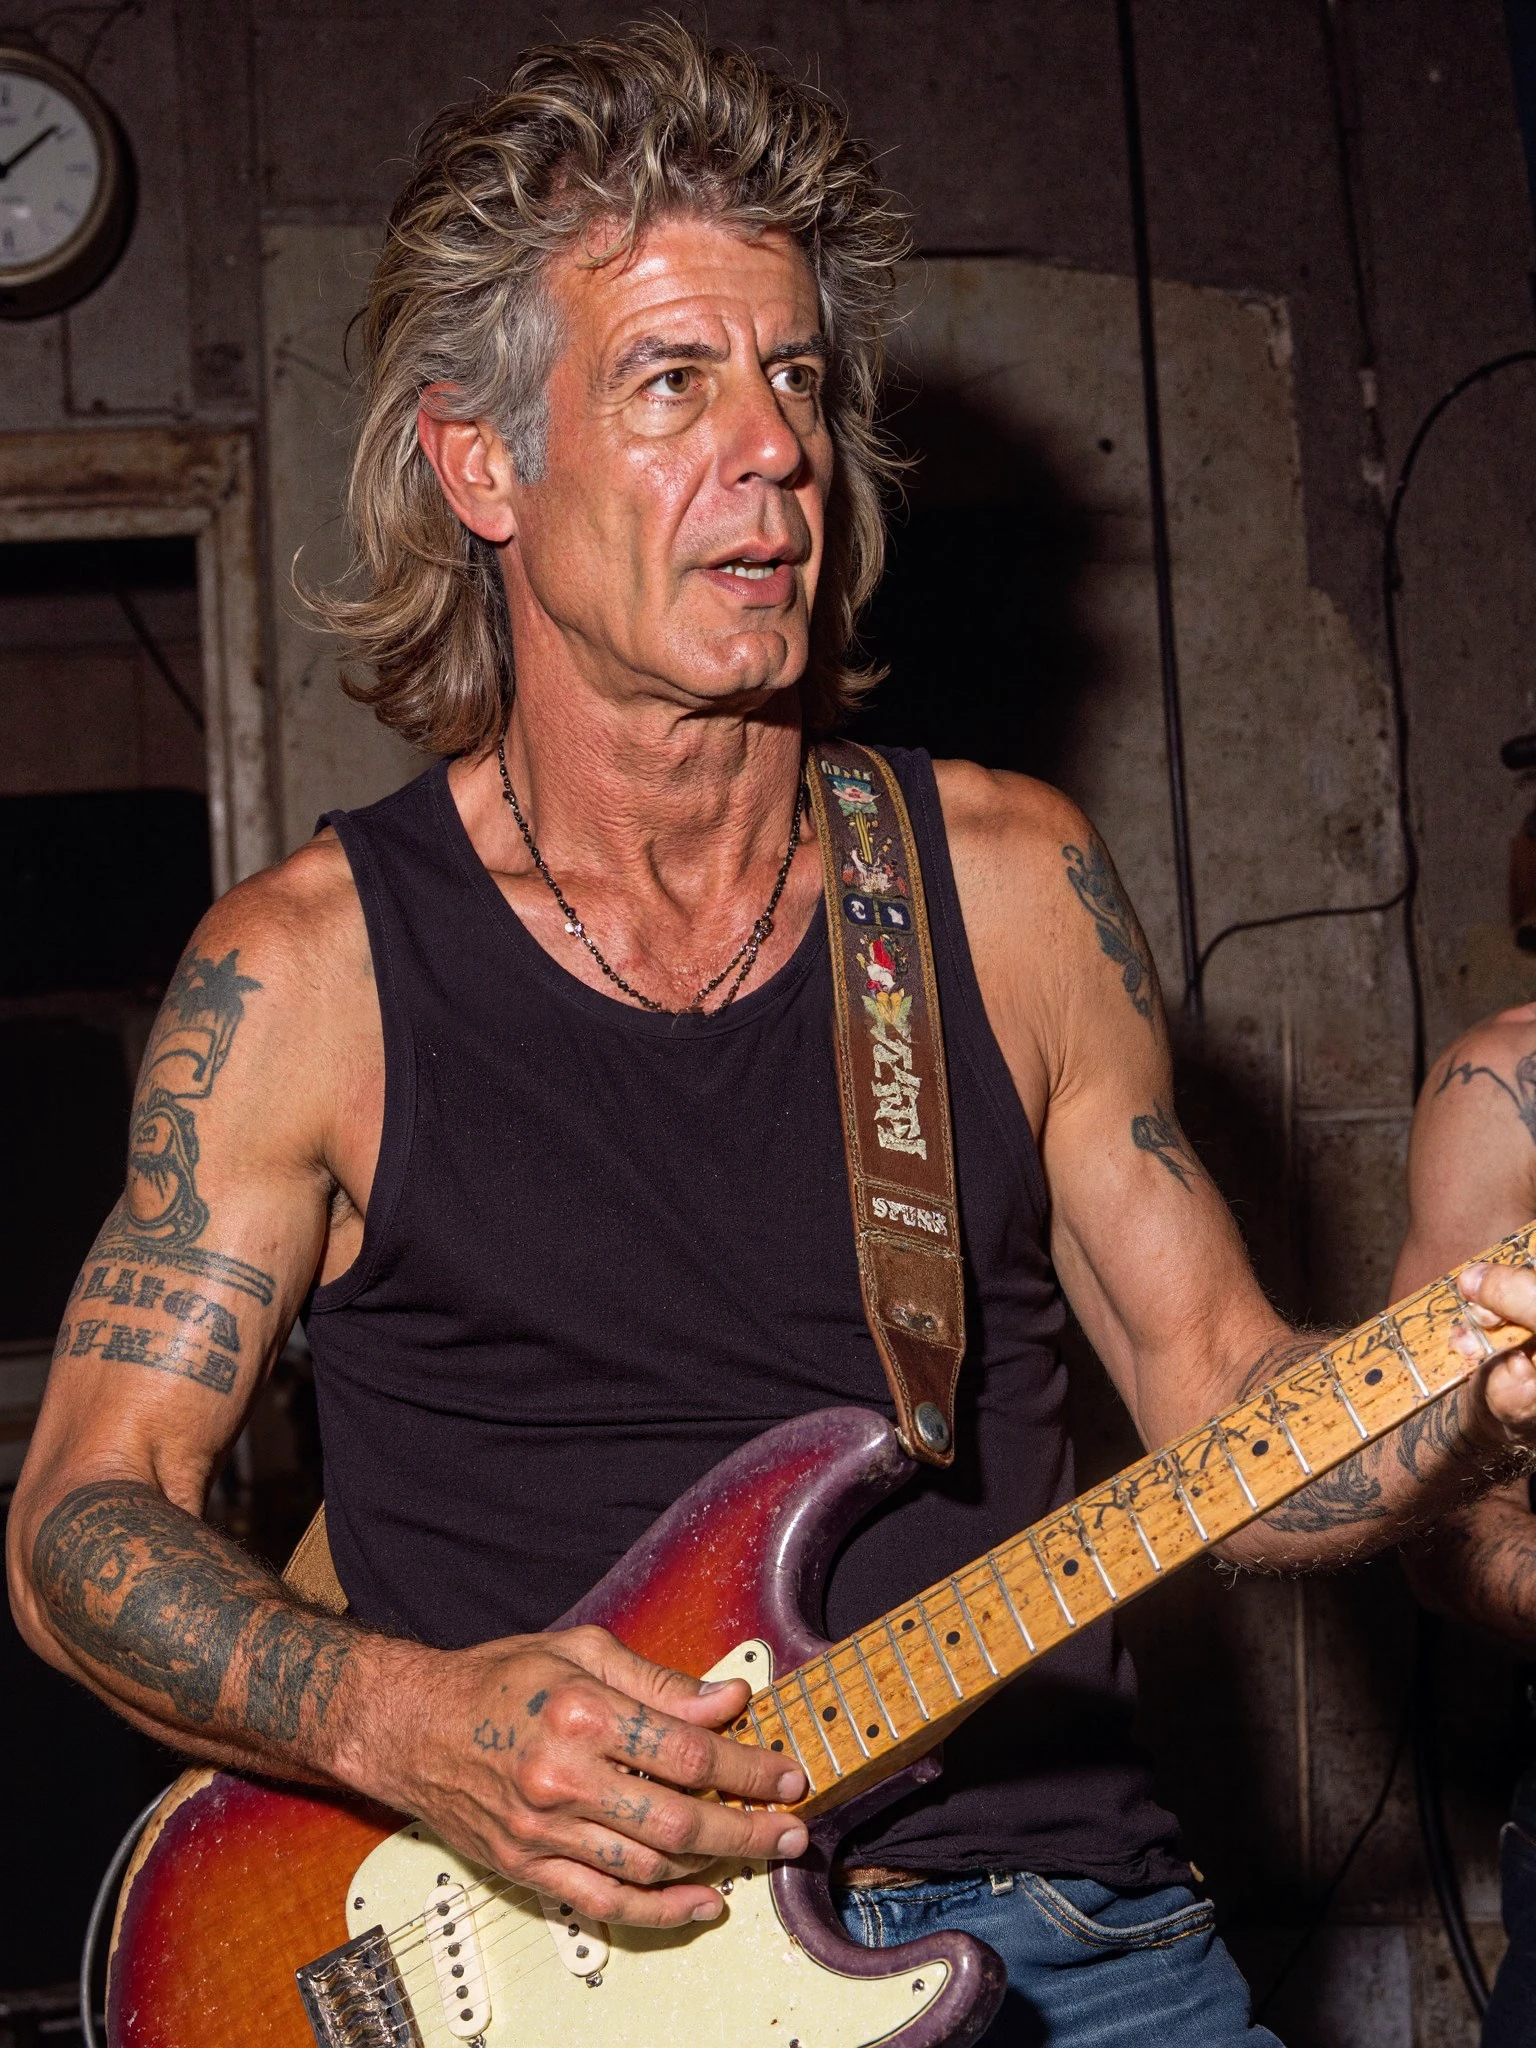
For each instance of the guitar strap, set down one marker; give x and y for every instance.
(894, 1094)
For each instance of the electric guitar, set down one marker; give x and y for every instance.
(254, 1913)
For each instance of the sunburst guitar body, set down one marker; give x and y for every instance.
(257, 1916)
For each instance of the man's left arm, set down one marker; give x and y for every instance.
(1146, 1248)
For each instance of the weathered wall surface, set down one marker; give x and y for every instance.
(270, 136)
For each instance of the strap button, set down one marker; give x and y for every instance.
(931, 1426)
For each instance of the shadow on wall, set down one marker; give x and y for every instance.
(980, 618)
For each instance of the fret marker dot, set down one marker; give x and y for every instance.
(908, 1623)
(1373, 1377)
(775, 1745)
(829, 1713)
(1261, 1448)
(872, 1730)
(953, 1636)
(1070, 1567)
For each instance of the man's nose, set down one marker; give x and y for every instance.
(760, 443)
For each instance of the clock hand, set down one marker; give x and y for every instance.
(26, 149)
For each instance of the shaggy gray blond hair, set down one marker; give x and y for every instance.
(625, 129)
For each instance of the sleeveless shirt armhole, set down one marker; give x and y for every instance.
(976, 1042)
(399, 1080)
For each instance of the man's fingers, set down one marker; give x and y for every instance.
(603, 1897)
(1508, 1293)
(708, 1702)
(673, 1825)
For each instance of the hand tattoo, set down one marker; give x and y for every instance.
(1121, 939)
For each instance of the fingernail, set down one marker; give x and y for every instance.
(714, 1685)
(1462, 1340)
(792, 1842)
(791, 1785)
(710, 1912)
(1472, 1279)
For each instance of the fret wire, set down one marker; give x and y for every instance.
(971, 1625)
(1472, 1324)
(1087, 1543)
(922, 1704)
(1018, 1619)
(858, 1733)
(1071, 1619)
(875, 1693)
(1277, 1418)
(1183, 1497)
(788, 1726)
(1339, 1388)
(757, 1726)
(922, 1615)
(1127, 1508)
(810, 1708)
(1398, 1344)
(1237, 1470)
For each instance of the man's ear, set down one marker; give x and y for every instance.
(473, 467)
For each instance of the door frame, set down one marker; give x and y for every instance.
(130, 483)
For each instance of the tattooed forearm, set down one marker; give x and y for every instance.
(1522, 1095)
(1121, 939)
(1278, 1360)
(1349, 1493)
(151, 1594)
(1435, 1437)
(1159, 1134)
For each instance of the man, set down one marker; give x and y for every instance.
(1472, 1179)
(527, 1072)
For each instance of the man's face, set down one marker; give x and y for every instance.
(677, 535)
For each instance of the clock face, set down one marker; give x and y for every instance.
(50, 170)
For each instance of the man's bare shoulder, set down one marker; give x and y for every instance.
(994, 817)
(301, 918)
(1495, 1046)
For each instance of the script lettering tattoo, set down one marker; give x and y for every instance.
(151, 1593)
(1159, 1134)
(489, 1736)
(161, 1216)
(206, 1347)
(1522, 1095)
(1121, 939)
(1347, 1494)
(626, 1811)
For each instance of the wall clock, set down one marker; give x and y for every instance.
(66, 186)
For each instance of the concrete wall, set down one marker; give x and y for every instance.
(270, 139)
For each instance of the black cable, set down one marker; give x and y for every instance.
(157, 655)
(1162, 559)
(106, 1897)
(1341, 1872)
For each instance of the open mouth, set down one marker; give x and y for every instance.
(749, 572)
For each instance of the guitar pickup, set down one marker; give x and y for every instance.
(581, 1944)
(456, 1957)
(353, 1997)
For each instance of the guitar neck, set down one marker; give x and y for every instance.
(889, 1692)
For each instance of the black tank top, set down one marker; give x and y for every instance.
(604, 1248)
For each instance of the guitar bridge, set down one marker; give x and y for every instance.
(354, 1997)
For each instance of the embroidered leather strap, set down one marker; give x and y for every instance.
(894, 1090)
(895, 1100)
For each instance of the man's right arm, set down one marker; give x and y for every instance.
(1471, 1181)
(257, 1080)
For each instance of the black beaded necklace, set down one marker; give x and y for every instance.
(745, 956)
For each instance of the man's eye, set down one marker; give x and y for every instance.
(797, 379)
(675, 383)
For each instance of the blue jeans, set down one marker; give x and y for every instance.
(1159, 1973)
(1511, 2017)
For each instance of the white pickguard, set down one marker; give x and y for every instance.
(742, 1981)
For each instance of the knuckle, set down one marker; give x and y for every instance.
(571, 1714)
(673, 1827)
(543, 1784)
(692, 1757)
(588, 1640)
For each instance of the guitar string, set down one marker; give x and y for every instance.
(935, 1602)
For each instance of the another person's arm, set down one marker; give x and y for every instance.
(1146, 1248)
(1472, 1180)
(257, 1078)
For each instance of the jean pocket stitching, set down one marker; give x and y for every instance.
(1199, 1917)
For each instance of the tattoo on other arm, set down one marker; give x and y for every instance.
(1159, 1134)
(151, 1593)
(1522, 1095)
(1349, 1493)
(1435, 1433)
(1121, 939)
